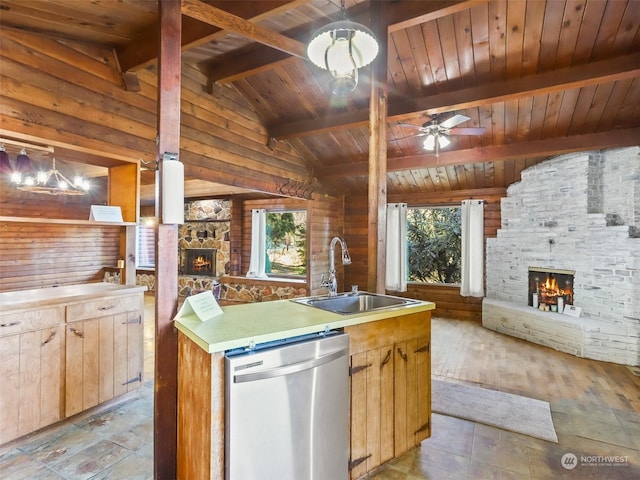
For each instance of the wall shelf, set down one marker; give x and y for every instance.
(64, 221)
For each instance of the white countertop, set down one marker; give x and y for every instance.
(254, 323)
(43, 297)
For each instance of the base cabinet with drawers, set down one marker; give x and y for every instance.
(59, 360)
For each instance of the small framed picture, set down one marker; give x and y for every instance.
(572, 311)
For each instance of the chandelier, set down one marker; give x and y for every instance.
(342, 48)
(52, 182)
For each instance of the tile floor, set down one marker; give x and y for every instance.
(117, 443)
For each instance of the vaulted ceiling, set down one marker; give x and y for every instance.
(536, 78)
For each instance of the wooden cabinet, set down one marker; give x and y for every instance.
(31, 366)
(390, 389)
(103, 351)
(60, 356)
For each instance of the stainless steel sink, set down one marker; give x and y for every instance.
(350, 303)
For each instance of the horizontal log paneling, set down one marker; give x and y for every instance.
(44, 255)
(16, 203)
(60, 92)
(448, 301)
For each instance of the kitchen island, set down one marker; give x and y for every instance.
(389, 366)
(66, 349)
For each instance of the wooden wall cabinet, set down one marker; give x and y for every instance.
(103, 351)
(390, 389)
(31, 362)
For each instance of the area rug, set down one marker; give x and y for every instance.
(490, 407)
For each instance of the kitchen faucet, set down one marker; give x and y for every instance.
(332, 283)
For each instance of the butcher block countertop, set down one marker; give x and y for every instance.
(253, 323)
(51, 296)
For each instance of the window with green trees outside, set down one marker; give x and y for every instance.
(286, 244)
(434, 245)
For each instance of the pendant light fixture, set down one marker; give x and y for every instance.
(51, 182)
(342, 48)
(5, 162)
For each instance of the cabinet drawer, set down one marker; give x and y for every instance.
(102, 307)
(18, 322)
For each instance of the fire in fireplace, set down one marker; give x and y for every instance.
(199, 261)
(550, 289)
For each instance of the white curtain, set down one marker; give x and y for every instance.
(258, 243)
(396, 254)
(472, 248)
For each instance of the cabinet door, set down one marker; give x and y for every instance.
(82, 378)
(40, 378)
(372, 405)
(10, 391)
(31, 372)
(412, 393)
(128, 352)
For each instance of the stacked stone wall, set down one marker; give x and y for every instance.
(577, 212)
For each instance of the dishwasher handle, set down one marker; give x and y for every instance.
(291, 368)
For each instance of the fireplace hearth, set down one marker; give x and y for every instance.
(550, 289)
(199, 261)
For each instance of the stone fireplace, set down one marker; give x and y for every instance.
(198, 261)
(576, 213)
(550, 289)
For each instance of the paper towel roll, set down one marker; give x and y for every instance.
(172, 192)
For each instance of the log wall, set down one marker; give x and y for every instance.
(37, 255)
(66, 94)
(448, 301)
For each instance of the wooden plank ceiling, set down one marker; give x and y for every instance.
(541, 78)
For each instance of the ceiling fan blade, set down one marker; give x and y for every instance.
(467, 131)
(421, 134)
(455, 120)
(410, 125)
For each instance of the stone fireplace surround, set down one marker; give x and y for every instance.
(575, 212)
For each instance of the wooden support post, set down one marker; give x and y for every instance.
(377, 214)
(166, 356)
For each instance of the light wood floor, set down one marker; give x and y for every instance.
(465, 351)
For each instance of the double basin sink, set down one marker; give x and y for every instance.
(357, 302)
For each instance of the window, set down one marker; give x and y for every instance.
(146, 243)
(434, 245)
(286, 243)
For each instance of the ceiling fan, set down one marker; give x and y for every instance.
(437, 132)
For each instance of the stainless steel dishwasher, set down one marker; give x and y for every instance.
(287, 410)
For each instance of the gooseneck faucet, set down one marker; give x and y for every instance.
(332, 283)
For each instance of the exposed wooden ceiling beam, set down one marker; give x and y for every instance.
(401, 15)
(143, 51)
(611, 70)
(494, 153)
(227, 21)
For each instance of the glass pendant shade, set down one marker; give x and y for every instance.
(5, 163)
(431, 139)
(443, 141)
(429, 142)
(23, 162)
(342, 48)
